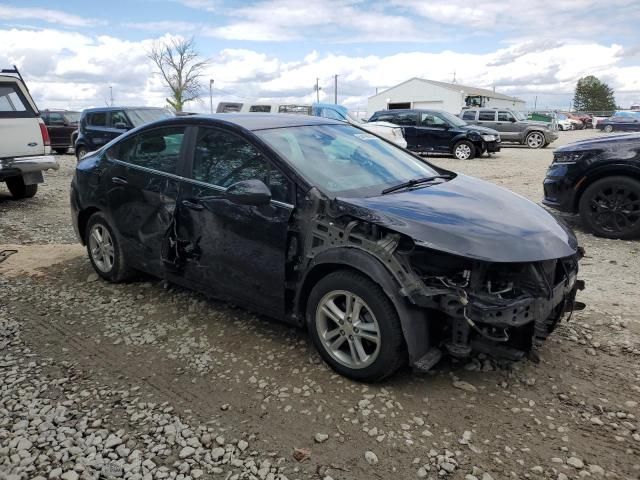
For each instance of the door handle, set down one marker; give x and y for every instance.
(119, 180)
(192, 205)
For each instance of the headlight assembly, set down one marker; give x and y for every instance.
(489, 138)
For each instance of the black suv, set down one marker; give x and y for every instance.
(60, 124)
(435, 131)
(598, 178)
(98, 126)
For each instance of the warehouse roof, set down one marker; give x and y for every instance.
(457, 87)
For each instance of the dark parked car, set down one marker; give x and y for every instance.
(621, 122)
(61, 124)
(98, 126)
(440, 132)
(599, 179)
(382, 256)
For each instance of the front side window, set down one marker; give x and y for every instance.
(431, 120)
(342, 160)
(158, 149)
(119, 120)
(56, 118)
(505, 117)
(222, 159)
(487, 116)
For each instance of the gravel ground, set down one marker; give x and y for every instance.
(140, 381)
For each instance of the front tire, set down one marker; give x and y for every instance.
(18, 188)
(81, 151)
(610, 208)
(464, 150)
(355, 327)
(105, 251)
(535, 140)
(608, 128)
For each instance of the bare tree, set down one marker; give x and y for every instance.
(181, 68)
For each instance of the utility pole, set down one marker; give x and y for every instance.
(318, 88)
(336, 90)
(535, 103)
(211, 94)
(111, 95)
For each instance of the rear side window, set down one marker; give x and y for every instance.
(260, 108)
(97, 119)
(222, 159)
(157, 149)
(119, 120)
(487, 116)
(12, 102)
(405, 119)
(469, 115)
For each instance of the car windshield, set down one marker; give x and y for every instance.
(72, 117)
(562, 116)
(146, 115)
(342, 160)
(452, 119)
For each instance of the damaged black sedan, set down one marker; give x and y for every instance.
(383, 257)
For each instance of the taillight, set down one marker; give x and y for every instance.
(45, 133)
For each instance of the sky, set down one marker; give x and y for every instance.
(73, 53)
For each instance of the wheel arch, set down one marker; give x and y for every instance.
(412, 319)
(600, 173)
(83, 219)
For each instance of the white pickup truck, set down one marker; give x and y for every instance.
(24, 141)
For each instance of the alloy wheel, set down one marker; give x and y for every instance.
(615, 209)
(101, 248)
(608, 128)
(535, 140)
(347, 328)
(463, 151)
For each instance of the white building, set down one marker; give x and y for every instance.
(450, 97)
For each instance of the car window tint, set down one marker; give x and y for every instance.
(406, 119)
(504, 117)
(98, 119)
(118, 118)
(383, 117)
(10, 101)
(260, 108)
(469, 115)
(431, 120)
(332, 114)
(56, 118)
(487, 116)
(222, 159)
(158, 149)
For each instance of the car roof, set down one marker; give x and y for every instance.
(110, 109)
(257, 121)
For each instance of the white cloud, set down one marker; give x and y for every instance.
(165, 26)
(72, 70)
(8, 12)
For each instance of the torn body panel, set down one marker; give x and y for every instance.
(444, 301)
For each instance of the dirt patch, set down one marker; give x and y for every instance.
(31, 260)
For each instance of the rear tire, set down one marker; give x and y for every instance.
(464, 150)
(19, 190)
(610, 208)
(363, 342)
(105, 251)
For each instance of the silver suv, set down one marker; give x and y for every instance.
(513, 126)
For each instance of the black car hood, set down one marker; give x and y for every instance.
(471, 218)
(479, 129)
(601, 143)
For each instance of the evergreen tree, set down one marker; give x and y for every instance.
(592, 95)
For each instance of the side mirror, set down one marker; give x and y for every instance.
(249, 192)
(121, 126)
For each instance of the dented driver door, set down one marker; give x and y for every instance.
(234, 251)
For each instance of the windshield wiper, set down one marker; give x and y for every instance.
(414, 182)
